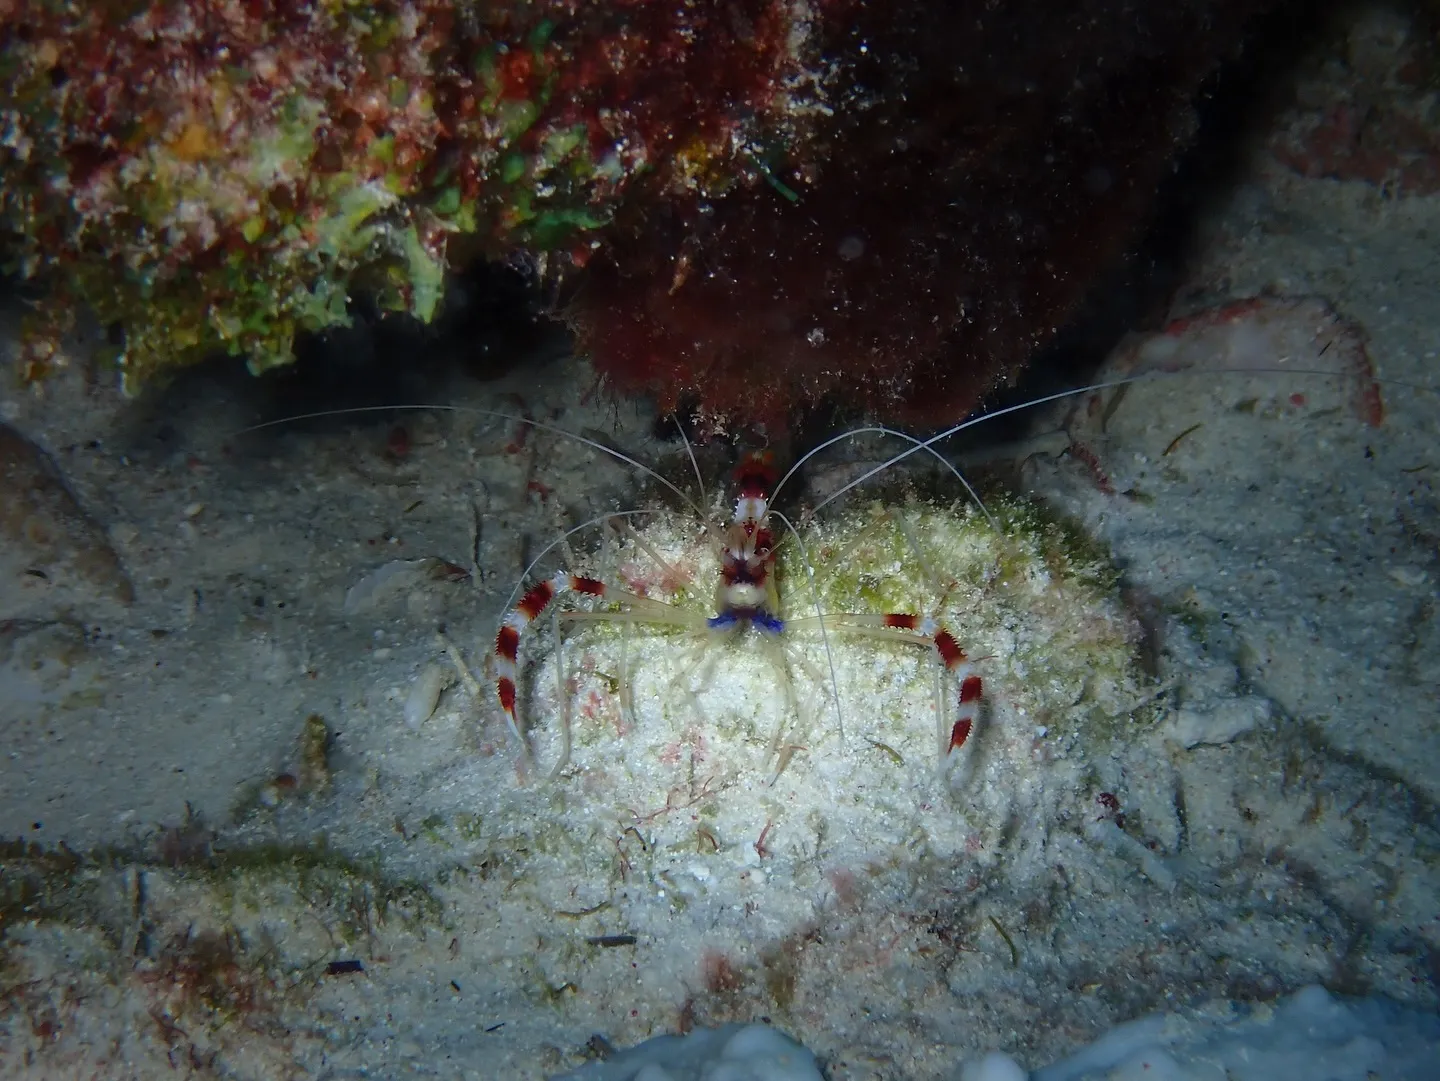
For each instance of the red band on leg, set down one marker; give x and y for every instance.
(591, 586)
(535, 602)
(960, 733)
(949, 649)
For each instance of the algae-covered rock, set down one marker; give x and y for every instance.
(220, 179)
(727, 751)
(207, 955)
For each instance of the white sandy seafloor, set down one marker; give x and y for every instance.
(1269, 732)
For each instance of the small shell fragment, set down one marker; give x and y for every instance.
(424, 694)
(385, 582)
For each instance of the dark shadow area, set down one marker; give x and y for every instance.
(367, 373)
(1238, 105)
(1235, 108)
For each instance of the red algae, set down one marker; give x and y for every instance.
(980, 170)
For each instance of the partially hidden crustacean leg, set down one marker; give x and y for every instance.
(561, 697)
(778, 657)
(906, 627)
(507, 640)
(957, 664)
(534, 604)
(783, 656)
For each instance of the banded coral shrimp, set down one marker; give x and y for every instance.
(667, 556)
(897, 580)
(852, 874)
(873, 599)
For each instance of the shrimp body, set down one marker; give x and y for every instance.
(746, 597)
(746, 592)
